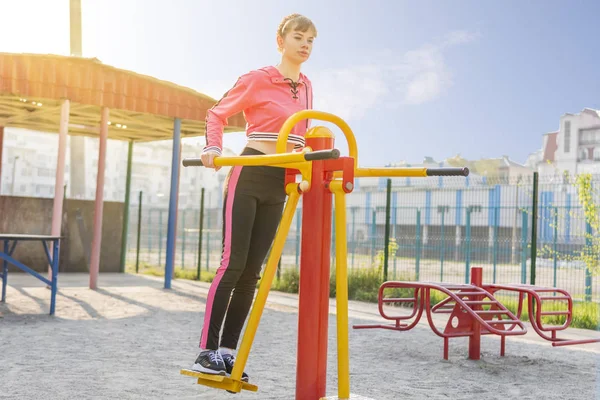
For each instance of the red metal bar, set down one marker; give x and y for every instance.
(535, 308)
(571, 342)
(313, 309)
(415, 315)
(473, 321)
(475, 338)
(446, 348)
(459, 304)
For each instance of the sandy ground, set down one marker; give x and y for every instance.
(129, 339)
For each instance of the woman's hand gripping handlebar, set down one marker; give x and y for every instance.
(277, 159)
(300, 160)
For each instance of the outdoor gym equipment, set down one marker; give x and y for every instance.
(474, 311)
(323, 174)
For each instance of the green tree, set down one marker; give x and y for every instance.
(590, 254)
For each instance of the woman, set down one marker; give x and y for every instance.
(254, 196)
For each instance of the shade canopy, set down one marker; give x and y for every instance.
(142, 108)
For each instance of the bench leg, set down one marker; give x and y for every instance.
(4, 272)
(54, 276)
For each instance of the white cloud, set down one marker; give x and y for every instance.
(348, 93)
(416, 77)
(423, 87)
(460, 37)
(422, 75)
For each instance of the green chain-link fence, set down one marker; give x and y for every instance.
(437, 229)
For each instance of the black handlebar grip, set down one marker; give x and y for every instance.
(322, 155)
(448, 171)
(311, 156)
(192, 162)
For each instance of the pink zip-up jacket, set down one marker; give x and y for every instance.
(267, 99)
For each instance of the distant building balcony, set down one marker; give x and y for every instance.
(589, 155)
(589, 136)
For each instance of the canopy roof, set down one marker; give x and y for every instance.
(142, 108)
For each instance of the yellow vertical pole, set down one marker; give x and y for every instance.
(266, 281)
(341, 290)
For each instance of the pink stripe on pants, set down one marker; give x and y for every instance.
(235, 175)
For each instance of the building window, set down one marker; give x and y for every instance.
(44, 189)
(567, 136)
(597, 154)
(44, 172)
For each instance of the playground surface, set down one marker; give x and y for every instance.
(130, 338)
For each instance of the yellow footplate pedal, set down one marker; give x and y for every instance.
(220, 381)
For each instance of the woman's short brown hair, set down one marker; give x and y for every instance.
(296, 21)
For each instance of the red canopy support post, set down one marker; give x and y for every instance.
(59, 183)
(98, 208)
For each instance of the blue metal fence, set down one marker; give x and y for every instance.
(438, 229)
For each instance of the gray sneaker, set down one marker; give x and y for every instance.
(229, 360)
(210, 362)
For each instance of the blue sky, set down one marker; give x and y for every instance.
(413, 79)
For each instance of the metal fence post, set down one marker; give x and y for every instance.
(386, 244)
(150, 225)
(139, 231)
(373, 232)
(125, 230)
(200, 232)
(534, 228)
(208, 238)
(353, 235)
(160, 238)
(495, 244)
(442, 210)
(524, 223)
(555, 246)
(468, 245)
(183, 239)
(588, 274)
(279, 268)
(418, 246)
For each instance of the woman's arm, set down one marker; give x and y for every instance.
(237, 99)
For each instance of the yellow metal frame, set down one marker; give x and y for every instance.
(234, 383)
(341, 289)
(293, 160)
(294, 190)
(267, 159)
(267, 280)
(220, 382)
(322, 116)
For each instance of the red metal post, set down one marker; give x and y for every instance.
(475, 339)
(313, 313)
